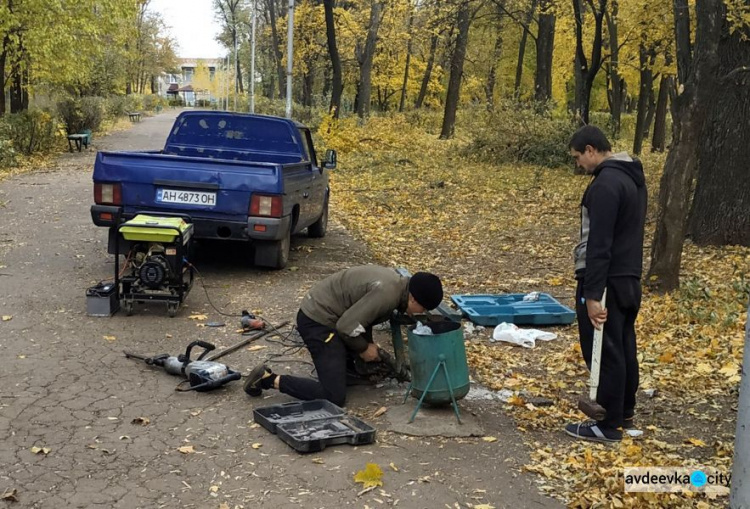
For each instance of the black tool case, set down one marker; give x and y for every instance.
(311, 426)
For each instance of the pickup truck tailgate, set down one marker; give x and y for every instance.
(205, 188)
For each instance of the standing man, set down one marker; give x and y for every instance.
(337, 315)
(609, 255)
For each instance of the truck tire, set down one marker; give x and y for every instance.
(318, 229)
(273, 254)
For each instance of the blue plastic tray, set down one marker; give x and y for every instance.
(510, 308)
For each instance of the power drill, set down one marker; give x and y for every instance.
(202, 375)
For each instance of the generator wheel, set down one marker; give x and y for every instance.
(172, 309)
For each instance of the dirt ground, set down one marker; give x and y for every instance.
(68, 389)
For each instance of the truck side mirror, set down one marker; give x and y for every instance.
(329, 161)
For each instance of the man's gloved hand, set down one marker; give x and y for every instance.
(371, 354)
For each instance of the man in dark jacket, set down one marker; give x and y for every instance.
(609, 255)
(337, 315)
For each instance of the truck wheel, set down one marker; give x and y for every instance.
(273, 253)
(318, 229)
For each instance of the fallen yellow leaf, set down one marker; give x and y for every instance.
(109, 338)
(370, 477)
(7, 318)
(198, 317)
(489, 439)
(393, 467)
(213, 489)
(186, 449)
(256, 445)
(696, 442)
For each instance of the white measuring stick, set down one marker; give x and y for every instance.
(596, 354)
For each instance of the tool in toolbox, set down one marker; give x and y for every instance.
(156, 266)
(203, 375)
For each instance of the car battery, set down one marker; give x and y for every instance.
(101, 300)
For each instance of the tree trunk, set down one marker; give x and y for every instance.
(647, 83)
(544, 48)
(681, 167)
(614, 74)
(522, 49)
(650, 111)
(682, 39)
(489, 89)
(588, 71)
(427, 72)
(658, 141)
(3, 59)
(365, 74)
(457, 69)
(308, 82)
(276, 49)
(408, 62)
(721, 207)
(333, 53)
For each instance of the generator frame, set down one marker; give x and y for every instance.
(177, 288)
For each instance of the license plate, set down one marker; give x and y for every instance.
(202, 198)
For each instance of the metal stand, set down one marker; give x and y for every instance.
(440, 364)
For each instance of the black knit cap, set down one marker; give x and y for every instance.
(426, 289)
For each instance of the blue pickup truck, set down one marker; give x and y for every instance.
(234, 176)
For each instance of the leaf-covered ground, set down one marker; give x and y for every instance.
(418, 202)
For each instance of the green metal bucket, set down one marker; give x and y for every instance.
(446, 345)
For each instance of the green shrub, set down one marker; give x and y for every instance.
(516, 132)
(116, 106)
(71, 114)
(177, 101)
(93, 110)
(7, 152)
(32, 131)
(152, 102)
(134, 102)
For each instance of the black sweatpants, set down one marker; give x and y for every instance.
(329, 356)
(618, 376)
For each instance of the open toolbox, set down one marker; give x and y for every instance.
(511, 308)
(311, 426)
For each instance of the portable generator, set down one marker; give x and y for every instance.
(155, 266)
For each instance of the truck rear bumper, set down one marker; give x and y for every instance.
(254, 228)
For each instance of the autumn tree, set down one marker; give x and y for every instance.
(333, 53)
(720, 211)
(232, 16)
(587, 68)
(365, 51)
(464, 16)
(697, 70)
(42, 44)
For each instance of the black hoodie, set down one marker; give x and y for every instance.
(613, 213)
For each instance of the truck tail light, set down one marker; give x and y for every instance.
(265, 205)
(107, 194)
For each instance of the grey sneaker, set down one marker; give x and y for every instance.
(591, 431)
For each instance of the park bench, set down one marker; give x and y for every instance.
(80, 140)
(135, 116)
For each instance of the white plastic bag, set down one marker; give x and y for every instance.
(422, 330)
(526, 338)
